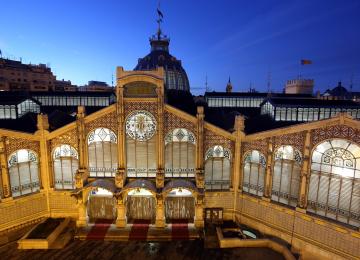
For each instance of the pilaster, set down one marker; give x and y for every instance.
(43, 127)
(200, 178)
(160, 212)
(199, 211)
(239, 127)
(120, 177)
(81, 203)
(82, 173)
(269, 165)
(160, 174)
(305, 173)
(121, 212)
(4, 169)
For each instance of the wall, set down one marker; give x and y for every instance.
(18, 211)
(311, 236)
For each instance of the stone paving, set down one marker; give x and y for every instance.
(134, 250)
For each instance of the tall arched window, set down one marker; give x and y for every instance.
(65, 165)
(24, 172)
(334, 189)
(102, 143)
(140, 127)
(254, 173)
(286, 175)
(180, 153)
(217, 168)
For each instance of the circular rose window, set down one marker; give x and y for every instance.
(140, 125)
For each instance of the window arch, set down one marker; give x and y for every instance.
(65, 165)
(334, 189)
(141, 128)
(254, 173)
(180, 151)
(217, 168)
(102, 153)
(286, 175)
(24, 172)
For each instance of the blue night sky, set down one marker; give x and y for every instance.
(86, 39)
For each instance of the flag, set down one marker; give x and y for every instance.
(160, 13)
(306, 62)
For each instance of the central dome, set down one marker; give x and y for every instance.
(175, 76)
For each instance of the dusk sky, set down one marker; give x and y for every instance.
(86, 39)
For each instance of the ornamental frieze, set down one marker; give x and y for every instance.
(172, 122)
(211, 139)
(147, 106)
(13, 144)
(336, 131)
(109, 121)
(259, 145)
(69, 138)
(296, 140)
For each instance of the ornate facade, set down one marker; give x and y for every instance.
(300, 183)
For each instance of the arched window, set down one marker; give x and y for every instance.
(286, 175)
(140, 127)
(65, 165)
(102, 143)
(217, 168)
(24, 172)
(254, 173)
(334, 189)
(180, 153)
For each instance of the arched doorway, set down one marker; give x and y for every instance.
(101, 205)
(140, 201)
(140, 205)
(180, 205)
(179, 201)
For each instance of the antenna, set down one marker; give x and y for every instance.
(351, 82)
(206, 83)
(269, 81)
(112, 79)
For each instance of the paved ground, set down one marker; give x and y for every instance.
(92, 249)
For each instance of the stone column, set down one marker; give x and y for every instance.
(81, 203)
(305, 172)
(269, 170)
(160, 174)
(200, 178)
(160, 212)
(120, 177)
(43, 127)
(82, 173)
(4, 169)
(199, 211)
(121, 212)
(239, 127)
(239, 134)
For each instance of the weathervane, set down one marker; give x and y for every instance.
(159, 20)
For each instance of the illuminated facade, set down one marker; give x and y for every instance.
(141, 156)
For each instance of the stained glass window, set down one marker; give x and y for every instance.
(286, 175)
(334, 189)
(217, 168)
(180, 153)
(254, 173)
(24, 172)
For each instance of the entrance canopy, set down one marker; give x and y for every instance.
(140, 184)
(105, 184)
